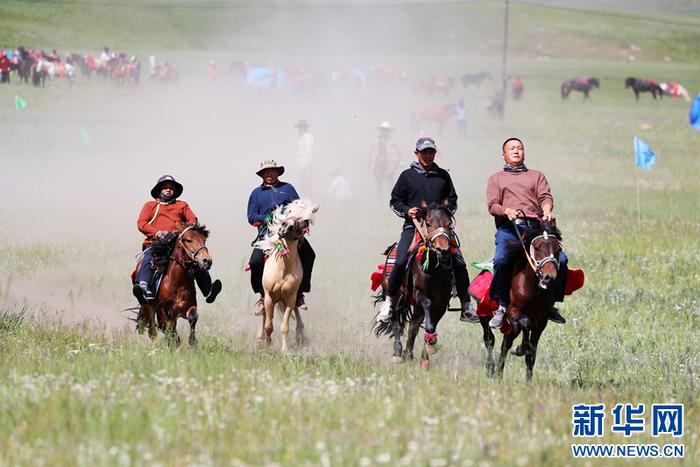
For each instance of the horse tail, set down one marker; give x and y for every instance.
(403, 313)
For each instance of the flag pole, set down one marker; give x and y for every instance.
(639, 209)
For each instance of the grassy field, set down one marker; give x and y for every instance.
(79, 387)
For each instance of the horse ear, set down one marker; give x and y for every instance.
(553, 223)
(446, 203)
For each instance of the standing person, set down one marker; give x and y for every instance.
(518, 89)
(513, 189)
(461, 115)
(384, 159)
(305, 153)
(272, 193)
(340, 188)
(166, 214)
(425, 182)
(5, 67)
(211, 69)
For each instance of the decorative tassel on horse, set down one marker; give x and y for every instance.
(280, 248)
(430, 337)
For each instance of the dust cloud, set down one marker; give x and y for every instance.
(80, 199)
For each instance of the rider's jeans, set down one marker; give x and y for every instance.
(508, 249)
(145, 273)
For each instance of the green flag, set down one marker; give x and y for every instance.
(85, 136)
(20, 103)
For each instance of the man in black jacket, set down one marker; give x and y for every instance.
(425, 182)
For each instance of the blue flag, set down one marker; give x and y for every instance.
(644, 157)
(694, 115)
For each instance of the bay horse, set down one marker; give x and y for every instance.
(428, 287)
(644, 85)
(475, 78)
(438, 114)
(583, 85)
(176, 298)
(282, 272)
(531, 296)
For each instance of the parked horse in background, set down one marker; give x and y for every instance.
(475, 79)
(282, 273)
(427, 293)
(532, 296)
(644, 85)
(438, 114)
(583, 85)
(675, 90)
(182, 254)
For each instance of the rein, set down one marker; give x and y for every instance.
(535, 264)
(187, 265)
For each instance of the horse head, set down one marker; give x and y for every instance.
(296, 219)
(438, 222)
(630, 82)
(193, 241)
(544, 246)
(594, 82)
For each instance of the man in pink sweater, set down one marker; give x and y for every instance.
(513, 189)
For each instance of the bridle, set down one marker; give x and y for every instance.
(192, 256)
(537, 264)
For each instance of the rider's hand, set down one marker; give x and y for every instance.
(412, 213)
(547, 215)
(160, 234)
(512, 213)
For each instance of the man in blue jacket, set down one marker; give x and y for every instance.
(263, 200)
(425, 182)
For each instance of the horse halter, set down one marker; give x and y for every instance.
(193, 256)
(547, 259)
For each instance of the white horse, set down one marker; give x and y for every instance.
(282, 273)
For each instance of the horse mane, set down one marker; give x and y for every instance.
(199, 228)
(530, 234)
(279, 215)
(434, 206)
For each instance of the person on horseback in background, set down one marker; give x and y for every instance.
(517, 188)
(263, 200)
(159, 217)
(425, 182)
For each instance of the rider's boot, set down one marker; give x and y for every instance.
(468, 314)
(387, 309)
(301, 304)
(497, 319)
(142, 293)
(260, 306)
(215, 289)
(555, 316)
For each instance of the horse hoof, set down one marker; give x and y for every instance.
(518, 351)
(430, 349)
(425, 364)
(396, 359)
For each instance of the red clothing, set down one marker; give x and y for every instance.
(156, 216)
(528, 191)
(5, 65)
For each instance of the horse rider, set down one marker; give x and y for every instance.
(272, 193)
(384, 158)
(305, 151)
(509, 191)
(159, 217)
(423, 181)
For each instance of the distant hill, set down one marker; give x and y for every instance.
(616, 30)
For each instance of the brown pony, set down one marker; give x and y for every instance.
(438, 114)
(531, 296)
(176, 296)
(429, 286)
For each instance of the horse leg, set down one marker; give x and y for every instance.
(413, 328)
(267, 323)
(171, 332)
(430, 336)
(299, 332)
(489, 342)
(531, 355)
(398, 356)
(150, 318)
(284, 327)
(505, 347)
(192, 318)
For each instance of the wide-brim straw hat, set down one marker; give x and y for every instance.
(270, 164)
(155, 191)
(385, 126)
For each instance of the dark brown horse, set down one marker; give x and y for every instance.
(583, 85)
(644, 85)
(176, 297)
(429, 286)
(475, 78)
(531, 296)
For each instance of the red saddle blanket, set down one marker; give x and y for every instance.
(479, 289)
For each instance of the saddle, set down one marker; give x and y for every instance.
(480, 286)
(162, 250)
(156, 279)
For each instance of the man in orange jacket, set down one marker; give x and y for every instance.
(164, 215)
